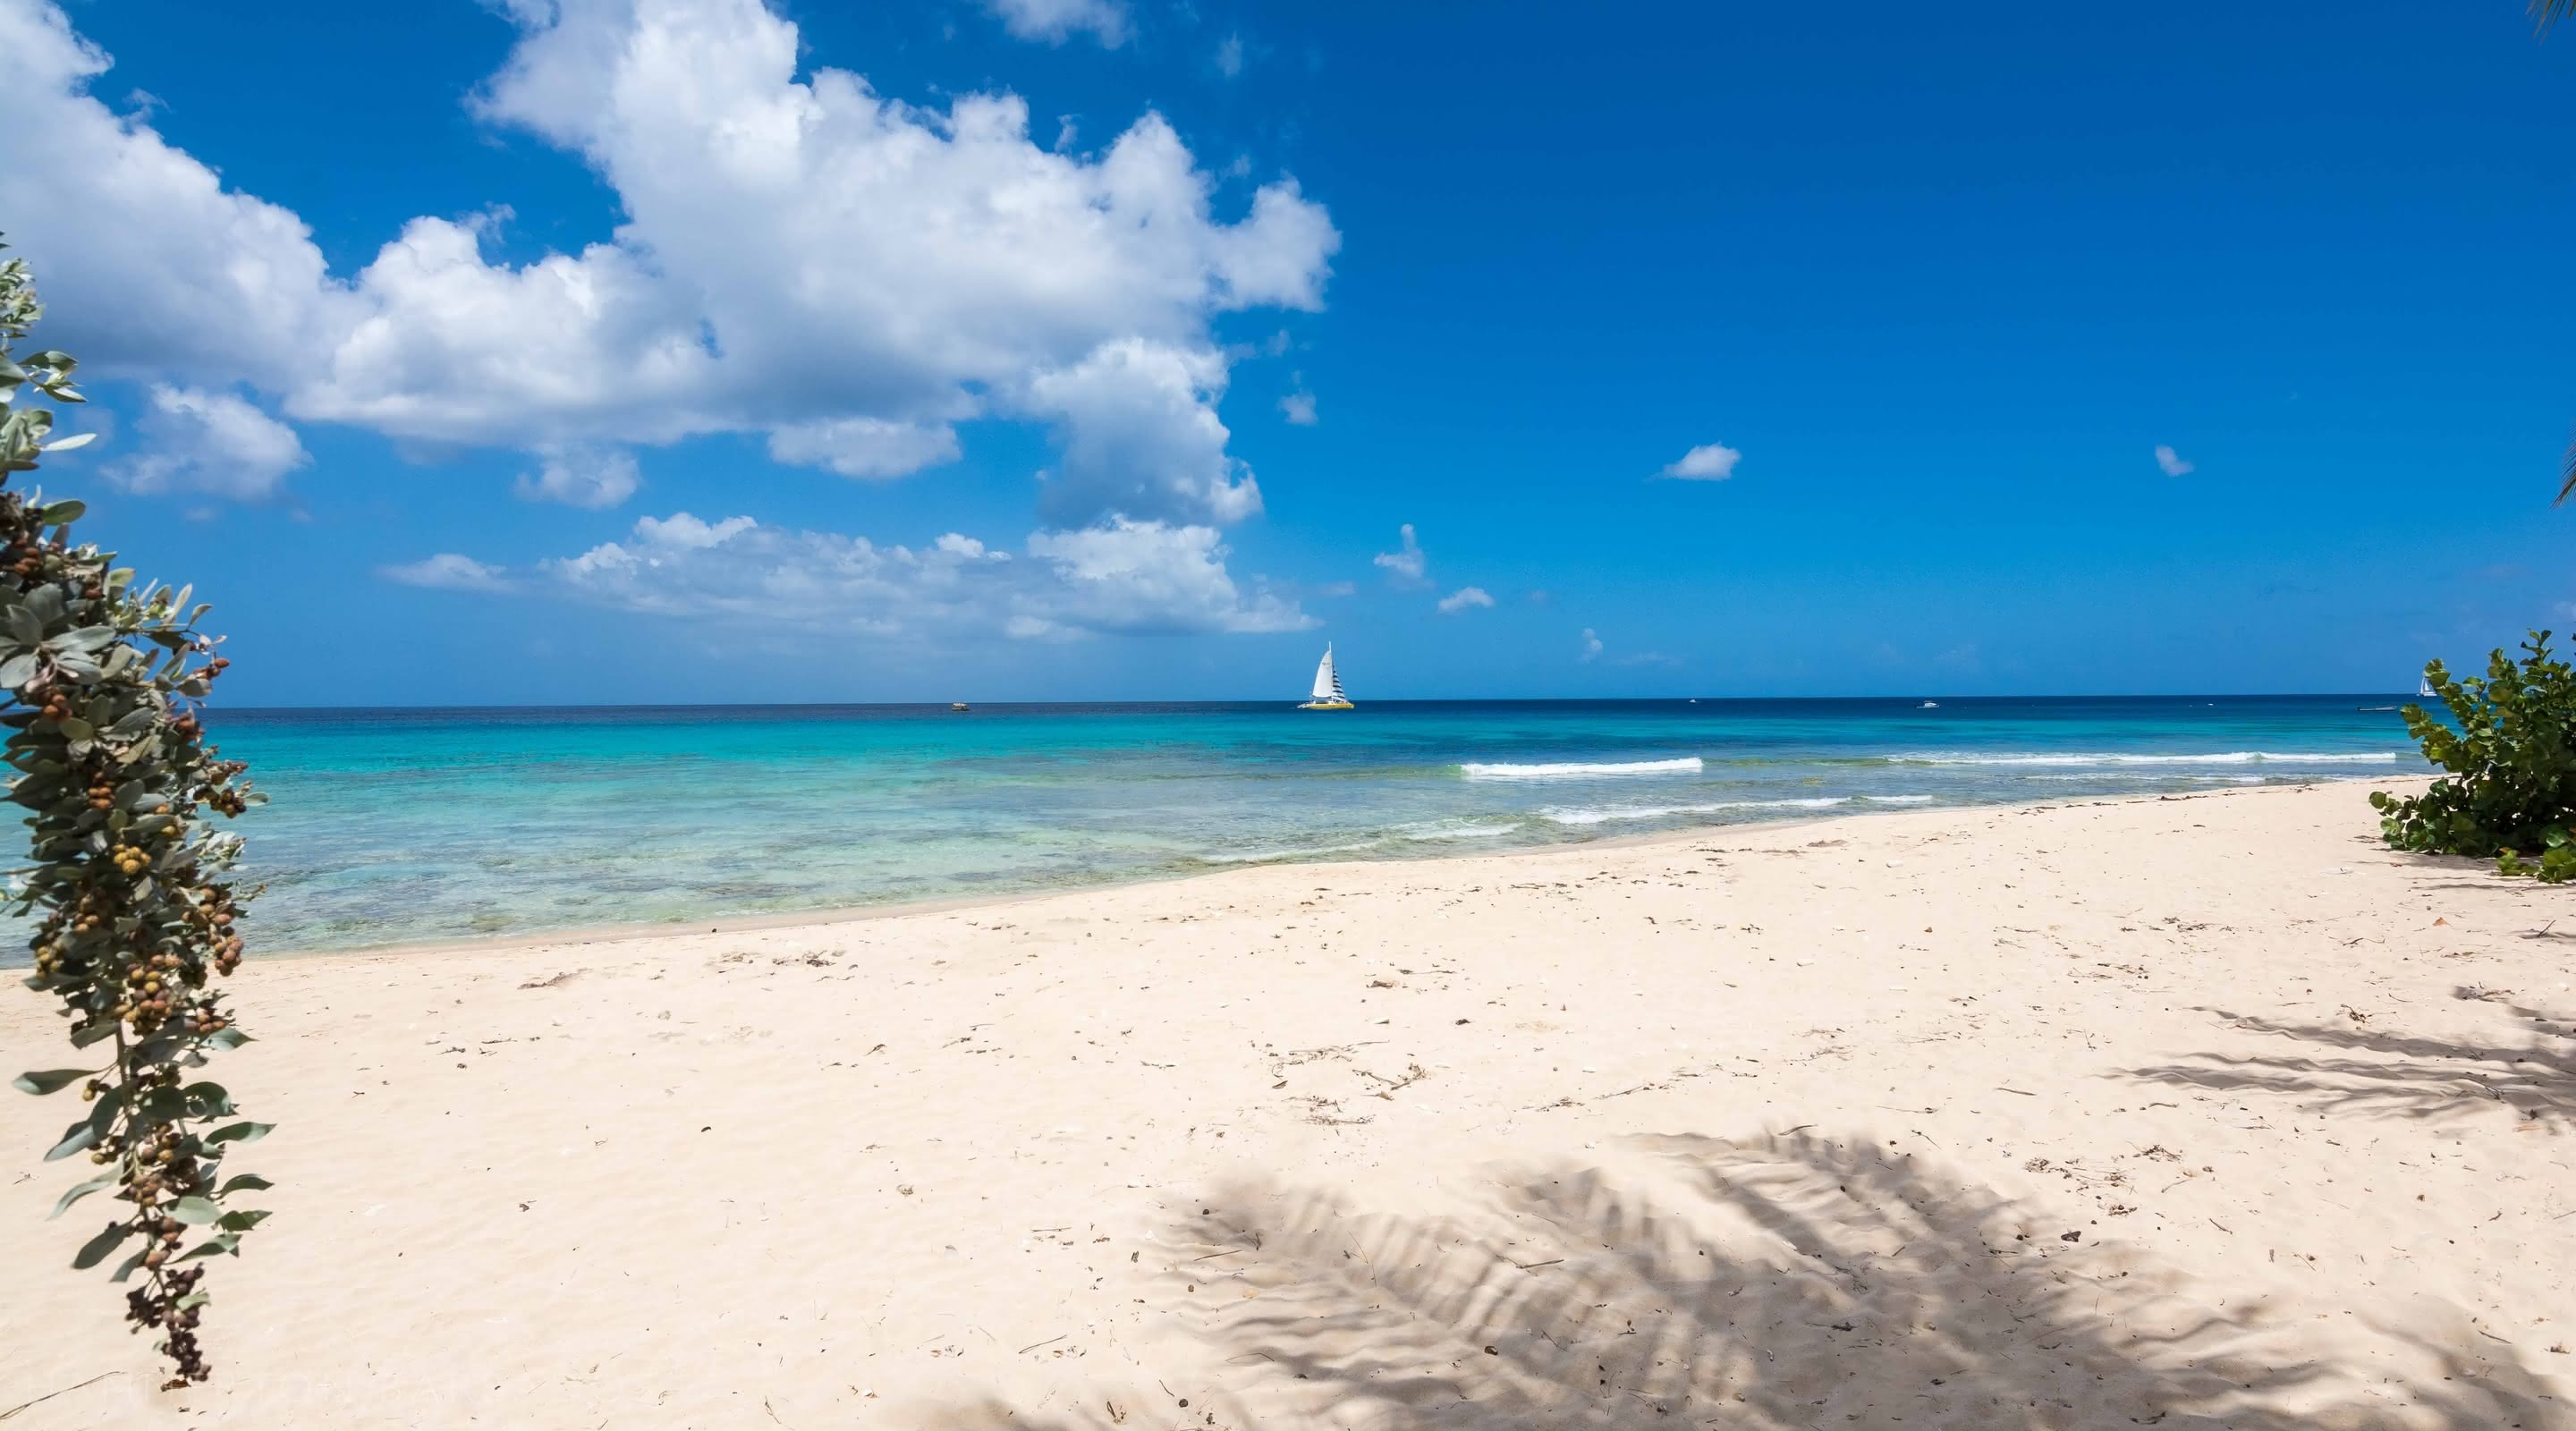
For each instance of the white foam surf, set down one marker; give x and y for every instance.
(1577, 770)
(1488, 830)
(1603, 816)
(1256, 857)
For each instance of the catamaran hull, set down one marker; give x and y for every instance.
(1328, 706)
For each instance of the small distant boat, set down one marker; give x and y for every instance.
(1328, 687)
(2423, 692)
(1929, 706)
(957, 705)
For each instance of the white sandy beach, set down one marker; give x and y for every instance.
(2201, 1111)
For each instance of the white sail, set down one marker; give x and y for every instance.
(2424, 688)
(1328, 682)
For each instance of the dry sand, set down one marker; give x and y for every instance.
(2191, 1112)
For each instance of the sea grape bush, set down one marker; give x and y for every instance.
(2511, 791)
(132, 917)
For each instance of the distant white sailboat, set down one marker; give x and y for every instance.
(2424, 688)
(1328, 688)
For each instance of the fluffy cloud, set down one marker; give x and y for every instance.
(1141, 437)
(1591, 645)
(804, 259)
(865, 446)
(2171, 462)
(1299, 408)
(1464, 598)
(199, 441)
(1056, 21)
(580, 477)
(1714, 462)
(1119, 577)
(447, 570)
(149, 266)
(1229, 56)
(1404, 565)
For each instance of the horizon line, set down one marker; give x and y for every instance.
(1289, 702)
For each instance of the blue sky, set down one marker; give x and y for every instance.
(1096, 349)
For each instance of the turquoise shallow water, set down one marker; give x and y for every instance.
(393, 826)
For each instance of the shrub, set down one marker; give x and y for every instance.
(103, 676)
(2511, 791)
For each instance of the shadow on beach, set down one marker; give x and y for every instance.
(2335, 1068)
(1791, 1281)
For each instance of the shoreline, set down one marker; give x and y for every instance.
(838, 915)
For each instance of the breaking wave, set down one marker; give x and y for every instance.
(1575, 770)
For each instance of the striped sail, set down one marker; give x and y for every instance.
(1328, 682)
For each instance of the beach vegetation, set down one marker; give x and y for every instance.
(2510, 748)
(133, 919)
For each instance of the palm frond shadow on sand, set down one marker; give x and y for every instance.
(1786, 1282)
(2334, 1068)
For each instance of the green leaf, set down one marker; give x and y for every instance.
(242, 1221)
(193, 1299)
(95, 1251)
(246, 1182)
(89, 1130)
(74, 728)
(230, 1036)
(195, 1211)
(89, 1034)
(66, 444)
(221, 1242)
(58, 513)
(240, 1133)
(126, 1268)
(207, 1100)
(81, 1191)
(18, 670)
(76, 1139)
(49, 1080)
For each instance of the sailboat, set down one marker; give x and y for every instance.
(2423, 692)
(1328, 687)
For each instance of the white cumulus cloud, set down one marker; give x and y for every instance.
(2171, 461)
(1141, 437)
(1120, 577)
(1404, 565)
(193, 440)
(148, 265)
(448, 570)
(1056, 21)
(800, 258)
(1299, 408)
(1464, 598)
(865, 446)
(1591, 645)
(1714, 462)
(582, 477)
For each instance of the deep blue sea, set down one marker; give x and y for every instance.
(391, 826)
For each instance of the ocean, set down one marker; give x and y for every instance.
(396, 826)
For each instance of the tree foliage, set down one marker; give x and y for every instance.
(2511, 793)
(132, 918)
